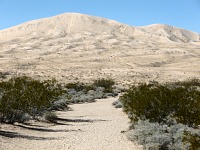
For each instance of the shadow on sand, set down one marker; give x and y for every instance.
(79, 120)
(39, 128)
(17, 135)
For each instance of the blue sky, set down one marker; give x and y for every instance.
(180, 13)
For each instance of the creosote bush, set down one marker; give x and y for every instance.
(164, 116)
(50, 116)
(21, 95)
(105, 83)
(193, 139)
(3, 75)
(77, 86)
(157, 102)
(164, 137)
(24, 97)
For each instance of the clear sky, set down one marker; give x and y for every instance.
(180, 13)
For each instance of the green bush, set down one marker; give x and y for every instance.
(155, 136)
(105, 83)
(193, 140)
(77, 86)
(22, 95)
(50, 116)
(158, 102)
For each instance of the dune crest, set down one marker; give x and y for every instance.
(76, 23)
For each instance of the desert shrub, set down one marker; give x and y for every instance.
(77, 86)
(80, 92)
(87, 98)
(117, 104)
(22, 95)
(3, 75)
(105, 83)
(97, 94)
(120, 88)
(60, 104)
(192, 83)
(192, 139)
(164, 137)
(88, 87)
(157, 102)
(50, 116)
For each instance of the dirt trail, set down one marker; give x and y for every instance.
(93, 126)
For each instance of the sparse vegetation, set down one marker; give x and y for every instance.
(24, 95)
(50, 116)
(22, 98)
(157, 102)
(164, 137)
(117, 104)
(164, 105)
(105, 83)
(3, 75)
(193, 140)
(80, 87)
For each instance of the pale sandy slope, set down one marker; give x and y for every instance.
(104, 131)
(75, 46)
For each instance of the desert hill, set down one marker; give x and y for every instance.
(75, 46)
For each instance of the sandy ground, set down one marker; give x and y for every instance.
(76, 47)
(73, 47)
(93, 126)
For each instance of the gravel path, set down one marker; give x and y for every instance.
(93, 126)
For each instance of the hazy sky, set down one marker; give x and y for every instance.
(180, 13)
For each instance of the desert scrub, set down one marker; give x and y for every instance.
(98, 89)
(50, 116)
(155, 136)
(117, 104)
(192, 139)
(157, 102)
(3, 75)
(24, 95)
(107, 84)
(77, 86)
(164, 116)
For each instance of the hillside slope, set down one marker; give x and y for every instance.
(71, 46)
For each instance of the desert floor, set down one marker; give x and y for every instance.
(89, 126)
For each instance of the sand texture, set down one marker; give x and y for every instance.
(93, 126)
(74, 46)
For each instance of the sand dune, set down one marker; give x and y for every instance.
(71, 46)
(76, 47)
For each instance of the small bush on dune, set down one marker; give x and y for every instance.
(80, 92)
(3, 75)
(117, 104)
(50, 116)
(105, 83)
(77, 86)
(22, 95)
